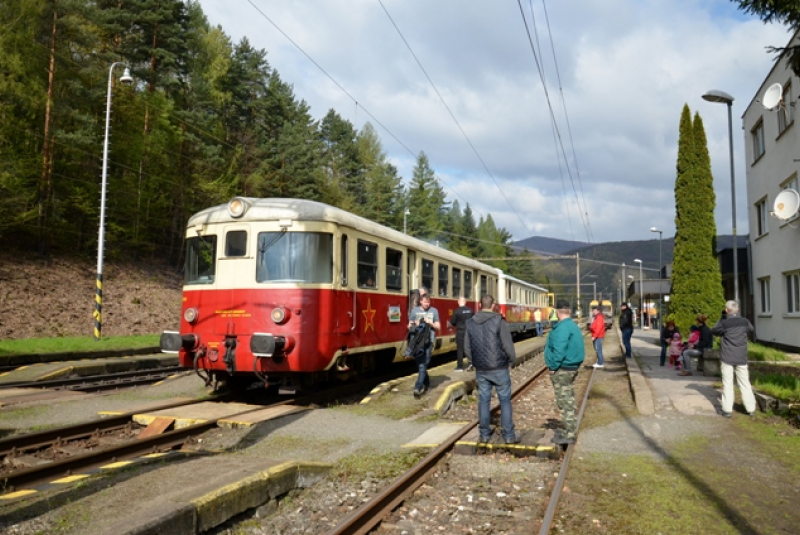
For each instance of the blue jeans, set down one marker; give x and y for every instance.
(626, 340)
(598, 347)
(539, 329)
(423, 379)
(501, 381)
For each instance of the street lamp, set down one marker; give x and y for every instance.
(660, 267)
(641, 294)
(720, 96)
(126, 79)
(405, 221)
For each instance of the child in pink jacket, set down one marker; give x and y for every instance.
(675, 350)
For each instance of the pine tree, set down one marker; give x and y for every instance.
(696, 279)
(426, 201)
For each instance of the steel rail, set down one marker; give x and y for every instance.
(562, 474)
(369, 515)
(60, 383)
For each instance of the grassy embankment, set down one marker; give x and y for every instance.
(25, 346)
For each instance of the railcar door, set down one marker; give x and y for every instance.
(346, 296)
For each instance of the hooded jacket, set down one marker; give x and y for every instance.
(488, 343)
(733, 332)
(626, 319)
(564, 349)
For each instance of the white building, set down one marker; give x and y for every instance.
(772, 142)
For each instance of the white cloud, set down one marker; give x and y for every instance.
(627, 67)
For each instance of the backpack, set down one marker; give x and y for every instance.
(418, 341)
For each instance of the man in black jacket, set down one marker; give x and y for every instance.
(734, 331)
(490, 350)
(459, 321)
(626, 327)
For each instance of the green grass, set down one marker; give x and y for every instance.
(25, 346)
(368, 463)
(778, 385)
(764, 353)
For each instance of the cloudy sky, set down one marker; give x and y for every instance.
(624, 70)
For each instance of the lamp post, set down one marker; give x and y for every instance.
(127, 79)
(405, 221)
(720, 96)
(660, 267)
(641, 294)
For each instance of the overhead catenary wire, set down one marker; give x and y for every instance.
(553, 120)
(349, 95)
(452, 115)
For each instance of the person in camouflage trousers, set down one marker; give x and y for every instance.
(563, 355)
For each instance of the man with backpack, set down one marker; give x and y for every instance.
(420, 317)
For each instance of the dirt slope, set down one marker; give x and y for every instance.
(55, 297)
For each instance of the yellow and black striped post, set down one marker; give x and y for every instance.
(98, 307)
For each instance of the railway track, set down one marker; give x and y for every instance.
(369, 516)
(97, 383)
(59, 449)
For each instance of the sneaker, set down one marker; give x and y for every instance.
(685, 373)
(514, 440)
(726, 414)
(417, 393)
(459, 369)
(563, 439)
(596, 365)
(484, 440)
(751, 414)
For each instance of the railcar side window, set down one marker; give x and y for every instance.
(394, 269)
(456, 282)
(427, 274)
(201, 255)
(468, 284)
(443, 277)
(367, 264)
(236, 243)
(483, 285)
(294, 257)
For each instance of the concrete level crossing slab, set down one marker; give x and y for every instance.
(533, 443)
(250, 419)
(197, 413)
(434, 436)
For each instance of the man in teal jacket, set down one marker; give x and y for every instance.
(563, 355)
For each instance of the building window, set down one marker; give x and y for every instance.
(763, 286)
(785, 110)
(761, 217)
(757, 133)
(793, 292)
(792, 183)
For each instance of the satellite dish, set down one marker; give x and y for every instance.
(772, 96)
(786, 204)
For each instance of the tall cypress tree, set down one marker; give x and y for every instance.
(696, 279)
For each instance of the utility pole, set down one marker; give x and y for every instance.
(578, 283)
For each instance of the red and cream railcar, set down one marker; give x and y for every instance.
(295, 292)
(518, 300)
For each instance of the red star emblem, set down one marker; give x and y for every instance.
(369, 316)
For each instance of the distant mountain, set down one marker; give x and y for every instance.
(548, 246)
(601, 263)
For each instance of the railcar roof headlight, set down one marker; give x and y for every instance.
(280, 315)
(237, 207)
(191, 314)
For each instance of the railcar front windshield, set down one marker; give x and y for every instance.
(294, 257)
(201, 254)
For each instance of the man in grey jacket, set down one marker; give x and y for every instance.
(734, 331)
(490, 350)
